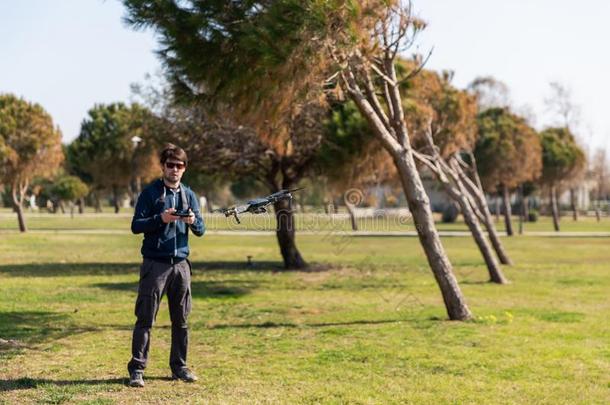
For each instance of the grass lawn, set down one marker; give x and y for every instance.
(366, 325)
(266, 222)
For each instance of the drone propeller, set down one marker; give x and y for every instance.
(257, 206)
(296, 189)
(283, 193)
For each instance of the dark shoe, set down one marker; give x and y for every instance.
(185, 375)
(136, 378)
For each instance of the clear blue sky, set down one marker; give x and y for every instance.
(69, 54)
(527, 44)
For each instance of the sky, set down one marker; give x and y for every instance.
(527, 44)
(68, 55)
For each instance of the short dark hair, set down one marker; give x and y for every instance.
(174, 152)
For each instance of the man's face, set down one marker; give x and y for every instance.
(173, 170)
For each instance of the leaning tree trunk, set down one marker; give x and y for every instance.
(350, 201)
(393, 135)
(475, 188)
(495, 273)
(507, 210)
(458, 192)
(285, 233)
(492, 232)
(20, 218)
(554, 210)
(352, 216)
(573, 204)
(419, 205)
(18, 207)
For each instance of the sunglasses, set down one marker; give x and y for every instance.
(178, 166)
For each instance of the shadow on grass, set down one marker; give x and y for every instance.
(84, 269)
(304, 325)
(25, 383)
(32, 326)
(20, 329)
(67, 269)
(199, 289)
(478, 282)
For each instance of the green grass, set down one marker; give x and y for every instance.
(266, 222)
(365, 325)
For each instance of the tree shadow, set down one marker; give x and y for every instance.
(199, 289)
(478, 282)
(25, 383)
(30, 325)
(67, 269)
(264, 266)
(84, 269)
(20, 329)
(265, 325)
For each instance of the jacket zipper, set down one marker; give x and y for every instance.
(175, 231)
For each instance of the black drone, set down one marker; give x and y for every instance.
(258, 205)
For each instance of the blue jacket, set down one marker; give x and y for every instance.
(164, 241)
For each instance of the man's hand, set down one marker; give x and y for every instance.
(166, 216)
(190, 219)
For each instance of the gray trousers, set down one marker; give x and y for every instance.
(157, 279)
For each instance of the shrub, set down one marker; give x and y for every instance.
(450, 214)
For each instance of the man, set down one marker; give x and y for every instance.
(165, 267)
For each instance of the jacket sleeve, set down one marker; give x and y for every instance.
(143, 218)
(198, 227)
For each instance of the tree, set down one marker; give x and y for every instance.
(276, 146)
(560, 103)
(368, 76)
(444, 127)
(490, 92)
(351, 158)
(29, 146)
(105, 154)
(206, 184)
(69, 188)
(274, 156)
(599, 172)
(237, 151)
(562, 158)
(264, 56)
(507, 152)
